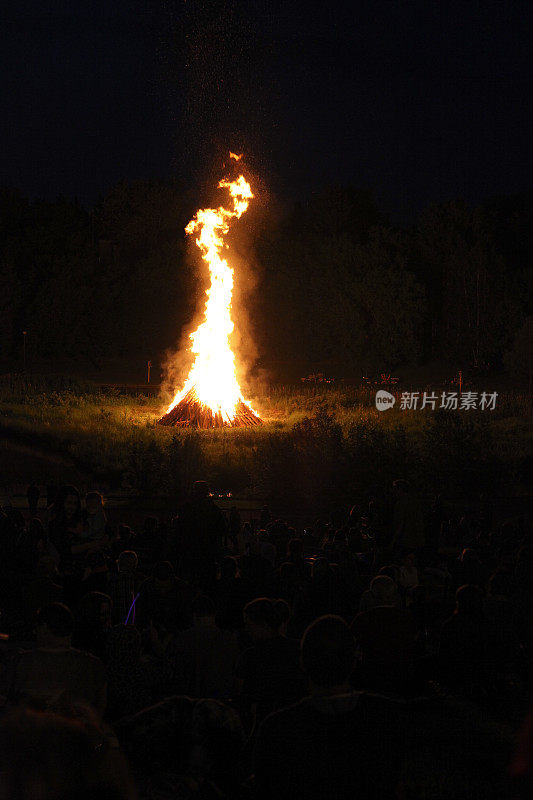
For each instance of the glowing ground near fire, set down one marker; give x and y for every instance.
(211, 396)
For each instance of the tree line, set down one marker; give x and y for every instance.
(337, 285)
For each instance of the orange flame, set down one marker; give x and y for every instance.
(213, 374)
(235, 156)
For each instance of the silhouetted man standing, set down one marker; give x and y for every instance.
(200, 531)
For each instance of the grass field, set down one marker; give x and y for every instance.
(317, 445)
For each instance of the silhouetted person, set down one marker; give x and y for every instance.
(52, 492)
(337, 743)
(165, 600)
(464, 654)
(468, 569)
(33, 495)
(229, 595)
(386, 636)
(235, 526)
(201, 529)
(269, 673)
(408, 520)
(54, 668)
(123, 587)
(41, 589)
(295, 555)
(324, 593)
(66, 530)
(93, 620)
(205, 654)
(256, 572)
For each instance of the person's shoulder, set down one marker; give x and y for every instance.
(283, 718)
(146, 584)
(25, 656)
(362, 617)
(85, 659)
(449, 623)
(381, 702)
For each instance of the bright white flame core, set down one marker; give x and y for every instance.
(213, 373)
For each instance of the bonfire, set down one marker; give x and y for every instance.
(211, 396)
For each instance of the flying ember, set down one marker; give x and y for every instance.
(211, 396)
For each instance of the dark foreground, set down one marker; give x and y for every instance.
(383, 652)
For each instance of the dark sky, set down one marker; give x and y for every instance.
(420, 101)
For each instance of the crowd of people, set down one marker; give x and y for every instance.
(373, 654)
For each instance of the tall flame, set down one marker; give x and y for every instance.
(213, 374)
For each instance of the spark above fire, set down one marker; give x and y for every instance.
(211, 396)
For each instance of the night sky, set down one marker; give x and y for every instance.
(420, 101)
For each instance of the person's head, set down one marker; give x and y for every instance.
(295, 550)
(203, 611)
(163, 574)
(46, 566)
(260, 619)
(69, 503)
(384, 590)
(254, 548)
(228, 568)
(469, 600)
(500, 584)
(16, 517)
(408, 558)
(417, 595)
(127, 561)
(268, 551)
(200, 490)
(320, 567)
(469, 556)
(150, 525)
(93, 503)
(339, 537)
(125, 533)
(400, 486)
(36, 530)
(328, 654)
(94, 611)
(391, 571)
(55, 625)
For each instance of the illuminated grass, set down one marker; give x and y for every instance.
(314, 444)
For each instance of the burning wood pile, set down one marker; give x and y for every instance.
(190, 412)
(211, 397)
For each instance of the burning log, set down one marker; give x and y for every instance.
(191, 413)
